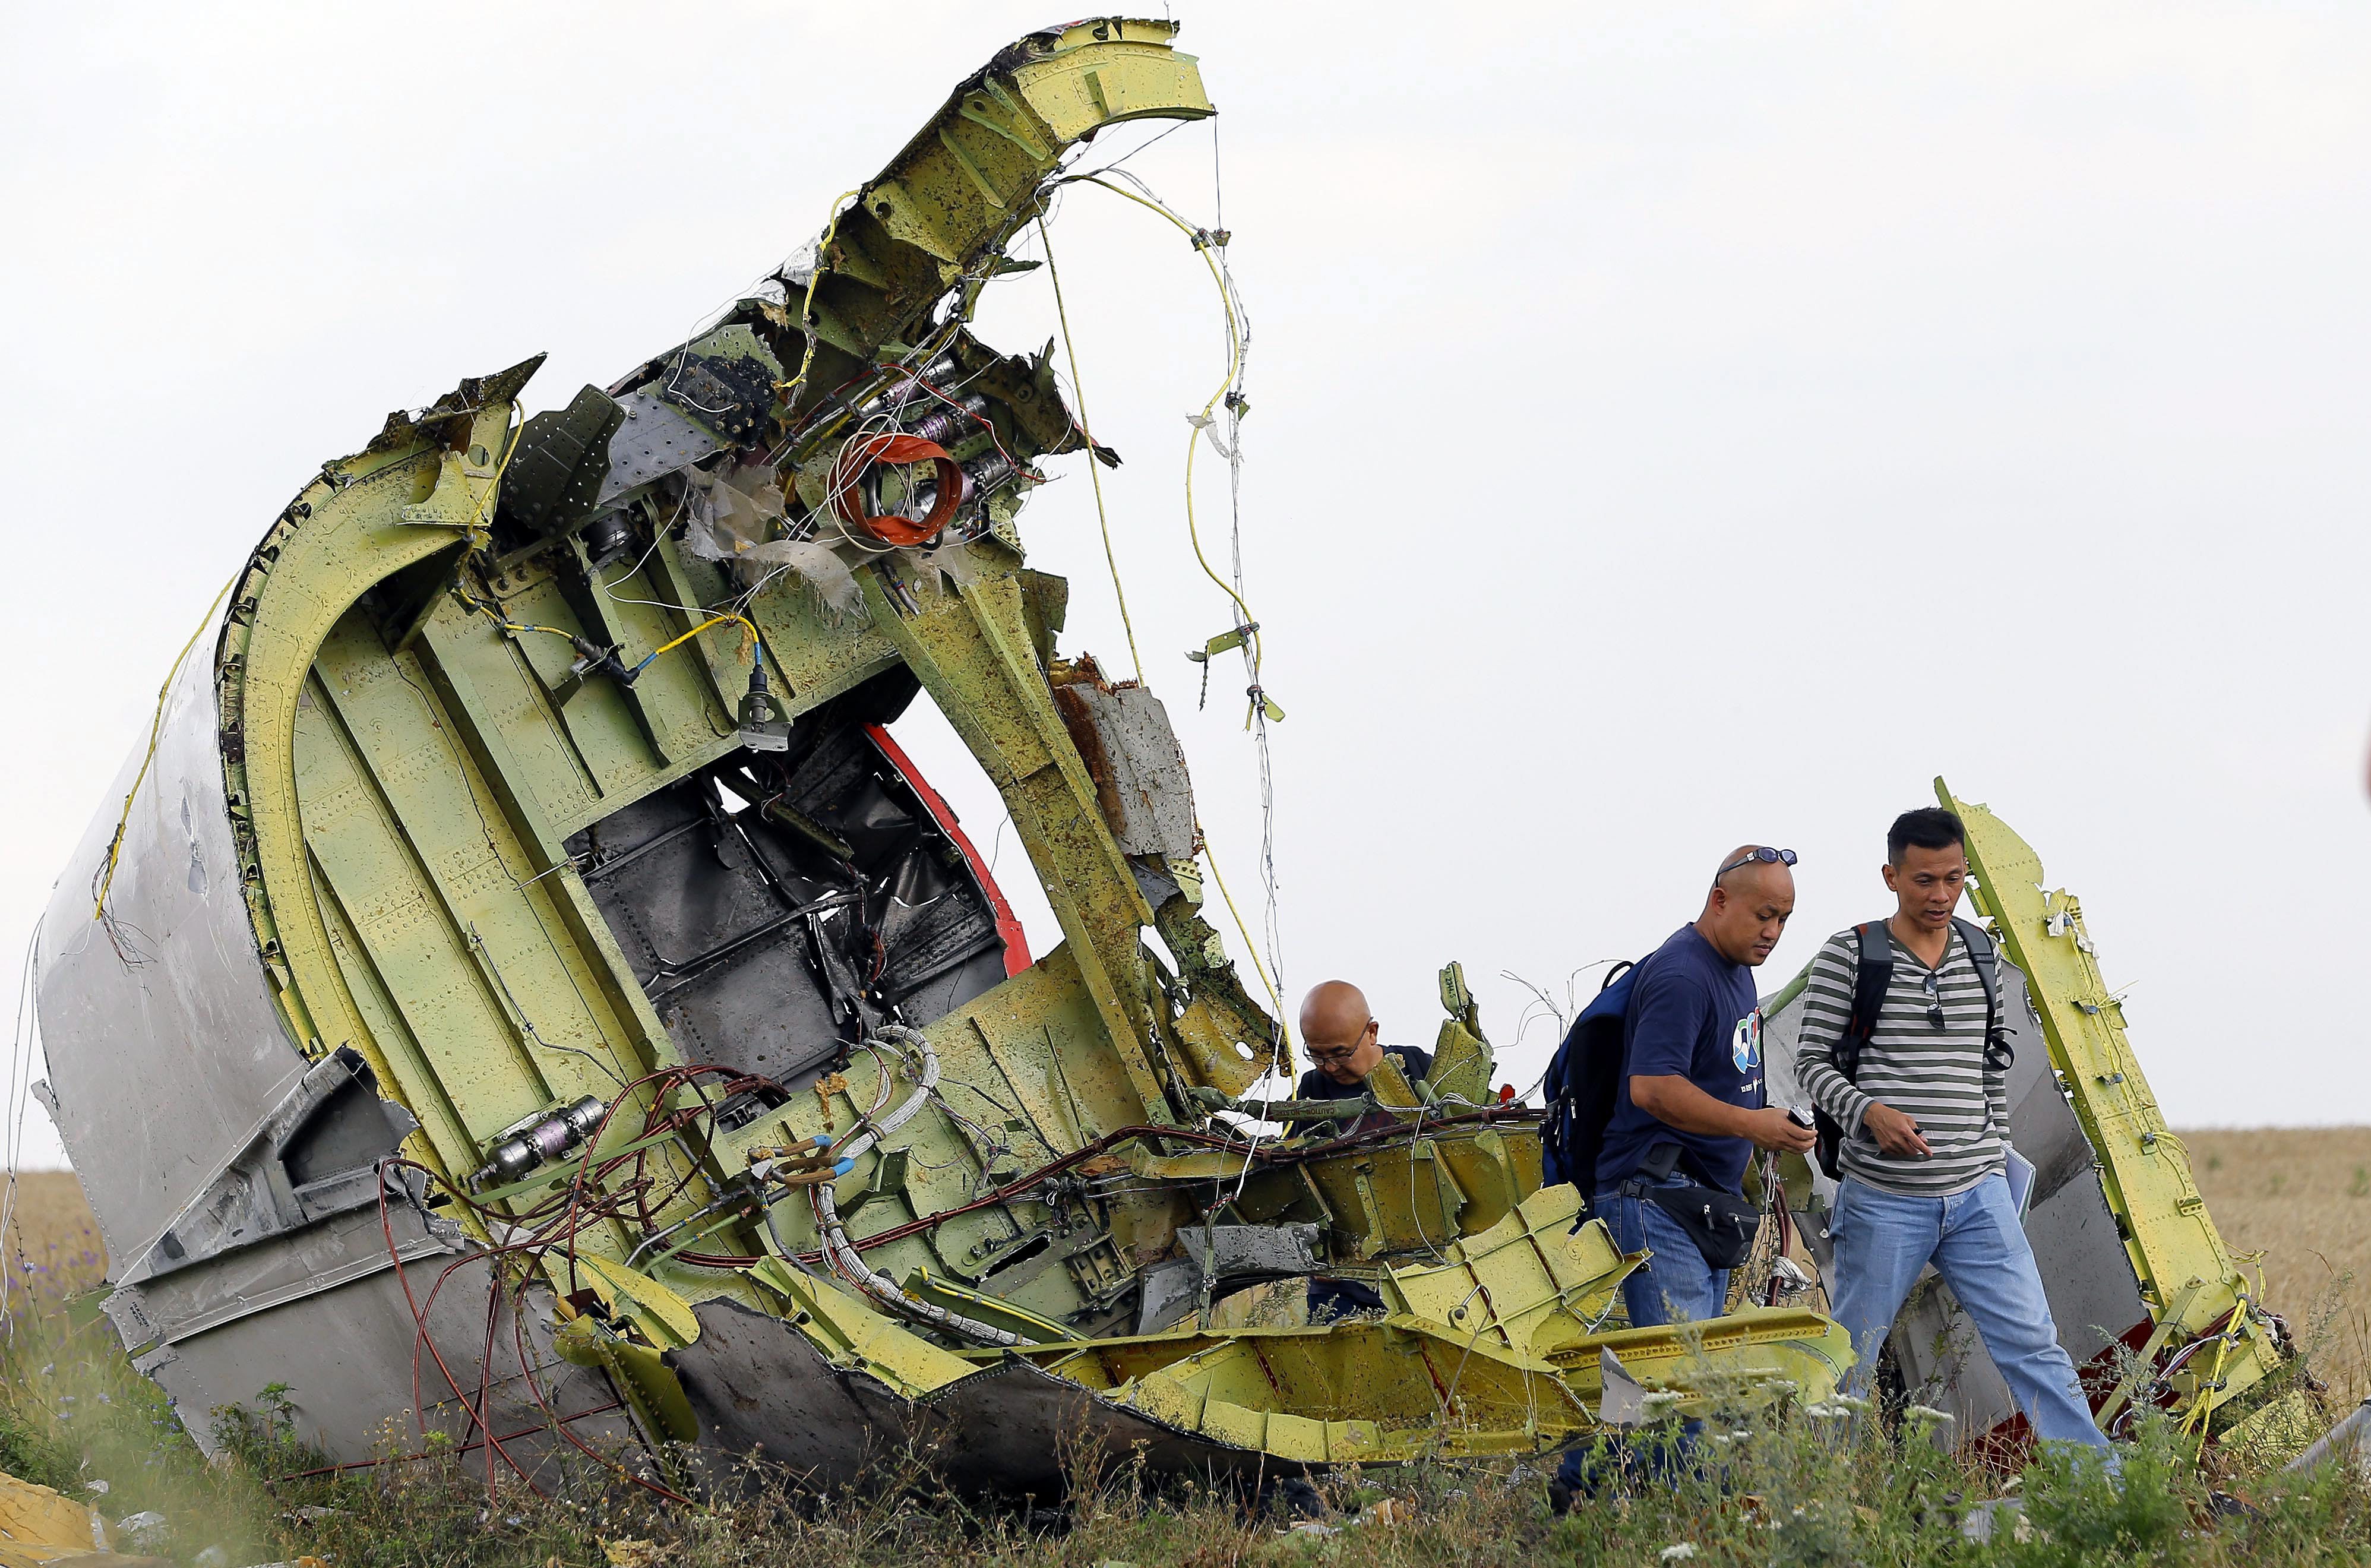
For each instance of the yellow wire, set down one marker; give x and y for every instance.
(703, 626)
(509, 625)
(806, 309)
(2200, 1410)
(155, 728)
(1283, 1031)
(1235, 364)
(1094, 468)
(478, 512)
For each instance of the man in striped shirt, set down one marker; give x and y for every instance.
(1925, 1136)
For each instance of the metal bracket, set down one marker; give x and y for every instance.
(315, 1154)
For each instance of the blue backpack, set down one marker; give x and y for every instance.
(1583, 1085)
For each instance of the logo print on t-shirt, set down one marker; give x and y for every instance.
(1745, 1045)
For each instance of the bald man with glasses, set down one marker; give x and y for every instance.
(1344, 1044)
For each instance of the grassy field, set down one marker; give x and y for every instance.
(2303, 1199)
(1788, 1489)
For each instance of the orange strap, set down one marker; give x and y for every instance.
(847, 473)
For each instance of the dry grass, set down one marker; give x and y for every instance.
(2302, 1197)
(1784, 1489)
(52, 1236)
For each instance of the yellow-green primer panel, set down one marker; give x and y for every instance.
(2169, 1235)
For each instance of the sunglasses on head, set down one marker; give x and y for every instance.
(1762, 853)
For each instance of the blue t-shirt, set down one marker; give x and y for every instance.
(1692, 1015)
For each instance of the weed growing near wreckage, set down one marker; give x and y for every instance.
(1804, 1490)
(1808, 1490)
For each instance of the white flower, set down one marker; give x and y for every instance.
(1929, 1414)
(1826, 1411)
(1662, 1398)
(1680, 1552)
(1852, 1401)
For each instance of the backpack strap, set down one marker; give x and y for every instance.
(1872, 975)
(1985, 955)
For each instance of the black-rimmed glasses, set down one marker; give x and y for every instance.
(1934, 998)
(1762, 853)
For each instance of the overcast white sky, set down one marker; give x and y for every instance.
(1672, 426)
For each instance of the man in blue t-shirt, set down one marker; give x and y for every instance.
(1691, 1107)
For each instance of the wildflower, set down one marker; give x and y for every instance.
(1928, 1415)
(1852, 1401)
(1678, 1551)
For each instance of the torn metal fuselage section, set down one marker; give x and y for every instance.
(526, 992)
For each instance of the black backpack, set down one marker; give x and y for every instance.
(1583, 1084)
(1871, 977)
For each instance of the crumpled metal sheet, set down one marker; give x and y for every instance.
(1012, 1426)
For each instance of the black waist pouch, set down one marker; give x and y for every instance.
(1721, 1224)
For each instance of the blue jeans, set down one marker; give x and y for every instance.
(1978, 1245)
(1676, 1286)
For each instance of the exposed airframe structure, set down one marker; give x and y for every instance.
(522, 990)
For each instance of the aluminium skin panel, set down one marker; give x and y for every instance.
(164, 1049)
(165, 1055)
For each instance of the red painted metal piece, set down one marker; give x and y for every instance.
(1008, 925)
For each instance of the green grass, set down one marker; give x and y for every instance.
(1797, 1489)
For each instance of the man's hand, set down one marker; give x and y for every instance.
(1896, 1134)
(1774, 1130)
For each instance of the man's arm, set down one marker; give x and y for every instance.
(1676, 1102)
(1672, 1014)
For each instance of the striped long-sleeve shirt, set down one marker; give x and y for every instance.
(1935, 1075)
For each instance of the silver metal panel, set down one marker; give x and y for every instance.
(348, 1391)
(162, 1056)
(655, 439)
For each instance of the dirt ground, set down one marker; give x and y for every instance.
(2300, 1197)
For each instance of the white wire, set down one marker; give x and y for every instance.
(19, 1091)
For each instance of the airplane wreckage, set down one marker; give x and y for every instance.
(521, 990)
